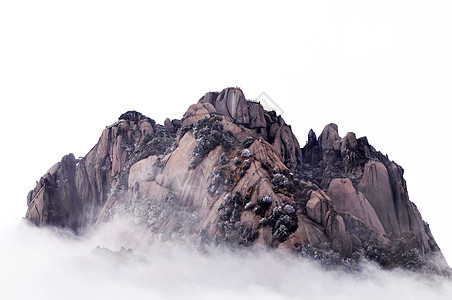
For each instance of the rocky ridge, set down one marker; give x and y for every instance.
(231, 173)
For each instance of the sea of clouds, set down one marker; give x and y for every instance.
(41, 263)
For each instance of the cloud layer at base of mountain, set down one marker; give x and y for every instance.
(44, 264)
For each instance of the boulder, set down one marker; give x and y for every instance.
(169, 126)
(317, 207)
(229, 102)
(349, 142)
(334, 224)
(197, 112)
(345, 198)
(328, 136)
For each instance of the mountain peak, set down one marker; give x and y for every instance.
(135, 117)
(229, 172)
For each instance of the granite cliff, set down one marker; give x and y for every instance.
(231, 173)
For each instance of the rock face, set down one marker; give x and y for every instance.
(73, 191)
(347, 199)
(232, 103)
(230, 172)
(376, 187)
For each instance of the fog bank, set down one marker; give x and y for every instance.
(41, 264)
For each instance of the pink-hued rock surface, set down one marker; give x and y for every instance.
(231, 173)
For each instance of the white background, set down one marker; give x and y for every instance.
(379, 68)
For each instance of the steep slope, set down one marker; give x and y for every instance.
(73, 191)
(231, 173)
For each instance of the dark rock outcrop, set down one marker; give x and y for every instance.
(230, 172)
(365, 185)
(55, 199)
(232, 103)
(72, 192)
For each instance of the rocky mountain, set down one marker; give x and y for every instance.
(231, 173)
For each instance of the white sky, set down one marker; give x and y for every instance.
(379, 68)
